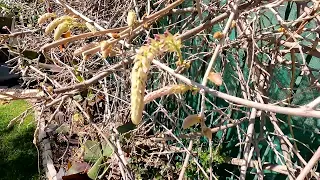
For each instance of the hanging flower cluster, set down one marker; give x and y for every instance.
(161, 43)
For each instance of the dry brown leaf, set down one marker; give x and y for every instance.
(218, 35)
(215, 78)
(207, 132)
(191, 120)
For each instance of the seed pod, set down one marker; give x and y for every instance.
(85, 48)
(131, 18)
(56, 22)
(45, 17)
(142, 65)
(62, 28)
(167, 90)
(191, 120)
(218, 35)
(215, 78)
(91, 27)
(139, 76)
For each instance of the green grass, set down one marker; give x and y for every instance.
(18, 155)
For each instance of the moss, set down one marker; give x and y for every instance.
(17, 153)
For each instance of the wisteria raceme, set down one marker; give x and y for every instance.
(45, 17)
(171, 43)
(167, 90)
(56, 23)
(62, 28)
(138, 81)
(191, 120)
(141, 67)
(131, 18)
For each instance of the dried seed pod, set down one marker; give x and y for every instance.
(191, 120)
(139, 76)
(91, 27)
(215, 78)
(62, 28)
(85, 48)
(57, 22)
(218, 35)
(45, 17)
(131, 18)
(167, 90)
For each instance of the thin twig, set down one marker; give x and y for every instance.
(199, 9)
(314, 103)
(115, 150)
(186, 160)
(277, 128)
(266, 107)
(248, 142)
(80, 36)
(306, 170)
(215, 55)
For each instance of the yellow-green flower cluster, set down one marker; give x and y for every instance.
(171, 44)
(145, 55)
(57, 22)
(138, 81)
